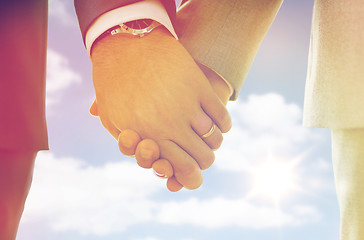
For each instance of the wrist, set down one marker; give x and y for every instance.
(124, 44)
(150, 9)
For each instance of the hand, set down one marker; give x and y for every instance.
(152, 86)
(162, 166)
(130, 142)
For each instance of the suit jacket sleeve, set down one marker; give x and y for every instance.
(335, 78)
(23, 27)
(225, 34)
(89, 10)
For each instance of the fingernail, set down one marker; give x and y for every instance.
(146, 154)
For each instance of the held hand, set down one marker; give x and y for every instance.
(153, 86)
(129, 140)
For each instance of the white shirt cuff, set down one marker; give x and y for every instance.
(151, 9)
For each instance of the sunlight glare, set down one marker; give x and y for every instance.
(275, 178)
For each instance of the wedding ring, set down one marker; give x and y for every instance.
(210, 132)
(159, 174)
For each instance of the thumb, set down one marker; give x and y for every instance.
(93, 109)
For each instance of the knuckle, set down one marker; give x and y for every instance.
(202, 124)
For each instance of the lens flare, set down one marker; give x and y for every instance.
(275, 178)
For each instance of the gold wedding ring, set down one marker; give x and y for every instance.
(159, 174)
(210, 132)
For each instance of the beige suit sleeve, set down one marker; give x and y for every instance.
(335, 80)
(225, 34)
(348, 162)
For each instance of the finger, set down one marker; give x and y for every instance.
(146, 153)
(163, 167)
(128, 141)
(219, 85)
(93, 109)
(214, 139)
(198, 150)
(173, 185)
(186, 170)
(216, 110)
(207, 130)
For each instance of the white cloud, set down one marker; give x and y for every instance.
(263, 125)
(148, 238)
(221, 212)
(59, 76)
(154, 238)
(69, 195)
(58, 10)
(266, 129)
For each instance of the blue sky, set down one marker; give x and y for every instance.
(272, 179)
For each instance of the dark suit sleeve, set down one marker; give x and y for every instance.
(89, 10)
(23, 28)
